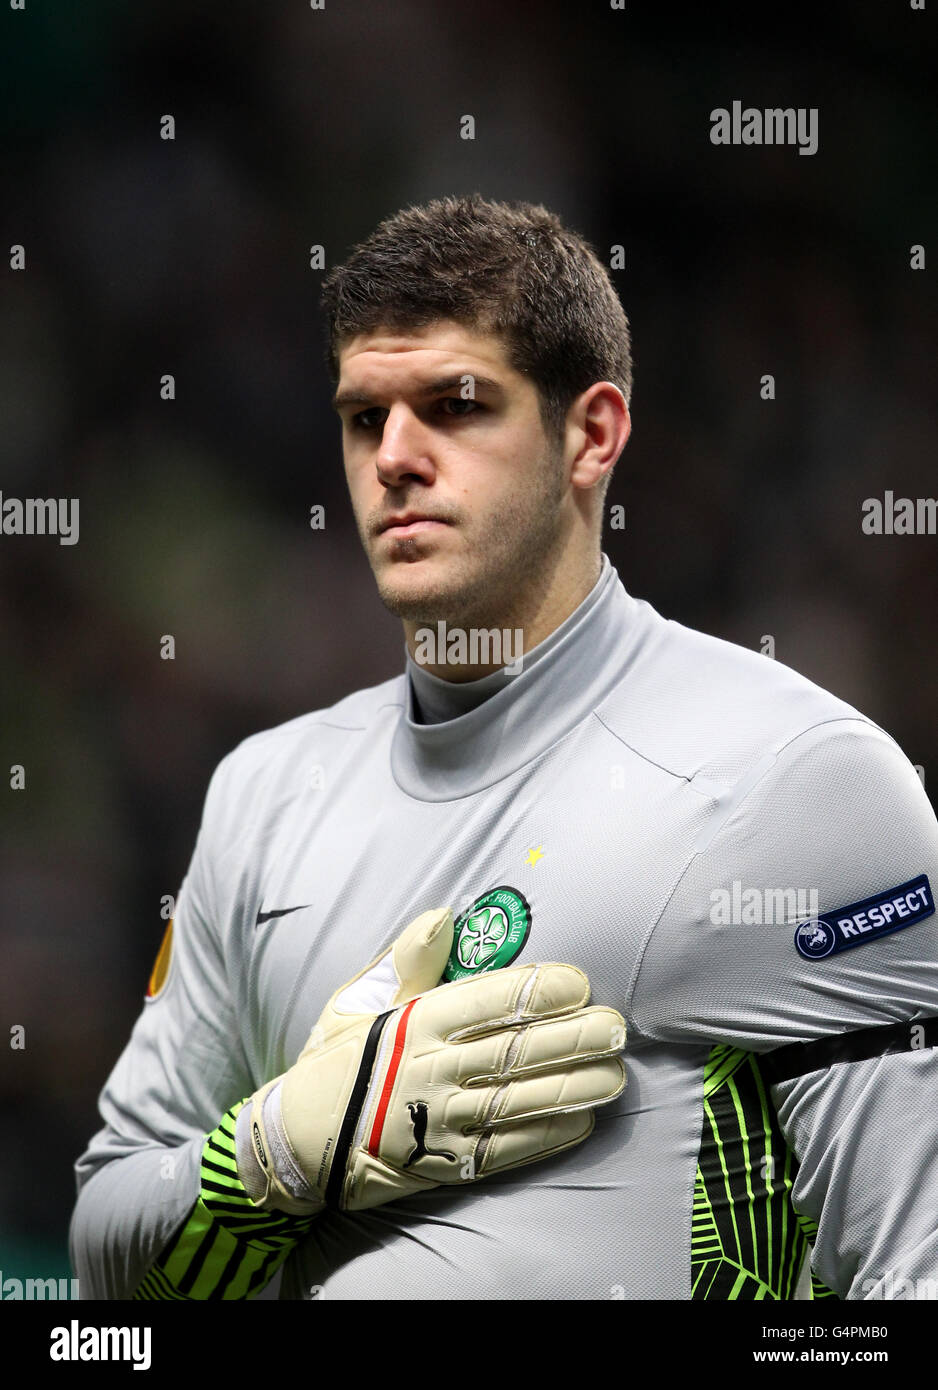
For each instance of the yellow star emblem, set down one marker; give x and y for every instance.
(534, 855)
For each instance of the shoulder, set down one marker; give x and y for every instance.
(272, 766)
(805, 810)
(832, 826)
(707, 709)
(353, 714)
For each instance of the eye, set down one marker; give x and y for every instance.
(358, 422)
(362, 420)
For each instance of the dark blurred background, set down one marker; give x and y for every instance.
(296, 127)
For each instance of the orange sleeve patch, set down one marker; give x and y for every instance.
(161, 964)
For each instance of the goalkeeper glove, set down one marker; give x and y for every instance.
(405, 1084)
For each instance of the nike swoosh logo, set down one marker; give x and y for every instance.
(278, 912)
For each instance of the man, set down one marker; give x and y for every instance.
(740, 865)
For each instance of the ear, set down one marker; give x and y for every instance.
(601, 417)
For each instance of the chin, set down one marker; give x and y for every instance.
(419, 592)
(415, 602)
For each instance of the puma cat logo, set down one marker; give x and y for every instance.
(418, 1118)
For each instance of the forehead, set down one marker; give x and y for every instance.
(386, 354)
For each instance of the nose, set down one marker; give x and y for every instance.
(403, 454)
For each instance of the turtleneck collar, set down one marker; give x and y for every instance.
(487, 729)
(436, 700)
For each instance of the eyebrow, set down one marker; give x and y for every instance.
(432, 388)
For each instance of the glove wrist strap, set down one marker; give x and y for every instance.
(267, 1165)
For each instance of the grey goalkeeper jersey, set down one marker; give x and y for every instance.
(738, 861)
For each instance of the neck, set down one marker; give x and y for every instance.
(471, 648)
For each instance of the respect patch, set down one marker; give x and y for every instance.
(865, 921)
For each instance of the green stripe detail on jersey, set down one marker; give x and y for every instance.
(747, 1241)
(228, 1248)
(809, 1227)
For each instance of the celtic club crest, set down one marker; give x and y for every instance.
(489, 933)
(481, 936)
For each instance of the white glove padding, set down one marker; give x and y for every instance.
(405, 1084)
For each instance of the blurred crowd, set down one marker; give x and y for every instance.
(190, 257)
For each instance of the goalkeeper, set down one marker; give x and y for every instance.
(635, 826)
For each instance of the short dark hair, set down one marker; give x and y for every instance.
(512, 269)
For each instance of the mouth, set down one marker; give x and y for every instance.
(401, 528)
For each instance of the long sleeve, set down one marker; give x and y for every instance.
(144, 1191)
(839, 830)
